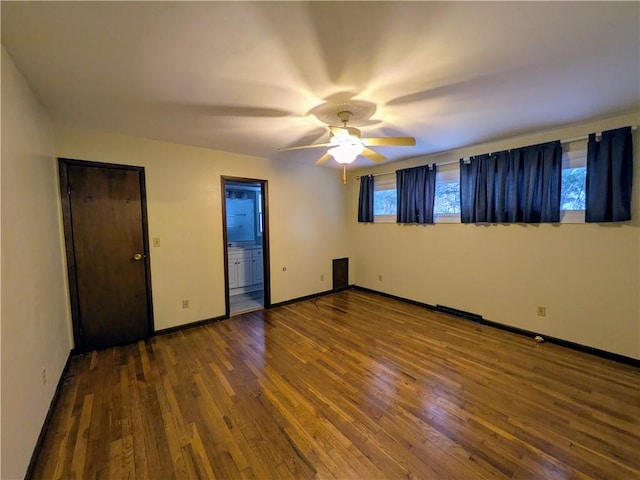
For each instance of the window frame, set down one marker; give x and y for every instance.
(447, 175)
(384, 182)
(574, 157)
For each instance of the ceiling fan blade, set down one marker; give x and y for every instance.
(389, 141)
(373, 156)
(323, 159)
(304, 146)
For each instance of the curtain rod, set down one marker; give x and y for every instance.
(451, 162)
(585, 137)
(391, 173)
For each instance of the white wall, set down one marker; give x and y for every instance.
(308, 208)
(586, 275)
(35, 318)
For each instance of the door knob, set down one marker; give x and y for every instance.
(137, 256)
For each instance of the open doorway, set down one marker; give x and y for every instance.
(246, 241)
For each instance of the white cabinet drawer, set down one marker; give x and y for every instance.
(239, 255)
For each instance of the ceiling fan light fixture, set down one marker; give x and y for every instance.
(346, 153)
(346, 143)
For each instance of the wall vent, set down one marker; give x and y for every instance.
(340, 273)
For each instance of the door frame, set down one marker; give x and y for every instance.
(65, 192)
(265, 238)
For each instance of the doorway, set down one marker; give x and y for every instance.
(105, 225)
(246, 244)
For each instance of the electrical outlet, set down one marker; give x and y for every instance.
(322, 278)
(542, 312)
(379, 278)
(43, 376)
(185, 303)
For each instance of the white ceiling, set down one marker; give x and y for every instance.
(244, 76)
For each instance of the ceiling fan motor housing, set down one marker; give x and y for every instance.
(345, 116)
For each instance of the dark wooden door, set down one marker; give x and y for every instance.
(105, 228)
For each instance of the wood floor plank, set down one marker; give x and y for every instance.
(206, 471)
(142, 458)
(79, 455)
(115, 460)
(349, 385)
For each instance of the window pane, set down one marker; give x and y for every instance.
(385, 202)
(572, 192)
(447, 198)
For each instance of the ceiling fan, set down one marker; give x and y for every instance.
(346, 143)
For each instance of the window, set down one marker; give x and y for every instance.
(385, 202)
(572, 196)
(573, 186)
(260, 216)
(447, 202)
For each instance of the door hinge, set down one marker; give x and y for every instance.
(68, 188)
(80, 331)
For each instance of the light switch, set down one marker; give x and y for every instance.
(156, 241)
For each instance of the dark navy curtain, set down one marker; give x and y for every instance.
(483, 188)
(542, 175)
(520, 185)
(609, 176)
(365, 199)
(416, 189)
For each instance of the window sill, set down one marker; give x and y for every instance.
(448, 218)
(566, 216)
(572, 216)
(384, 219)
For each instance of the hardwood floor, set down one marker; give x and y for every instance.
(350, 385)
